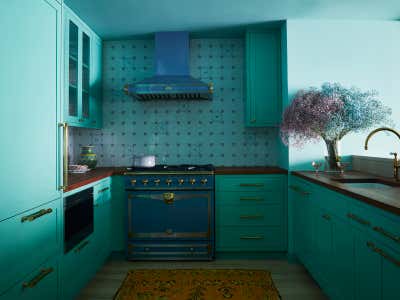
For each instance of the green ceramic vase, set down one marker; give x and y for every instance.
(88, 157)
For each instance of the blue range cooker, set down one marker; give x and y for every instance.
(170, 213)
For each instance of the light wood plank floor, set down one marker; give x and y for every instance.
(291, 279)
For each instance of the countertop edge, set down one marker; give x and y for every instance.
(365, 199)
(248, 170)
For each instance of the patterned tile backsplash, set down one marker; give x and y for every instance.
(197, 132)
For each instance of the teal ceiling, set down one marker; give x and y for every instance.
(122, 18)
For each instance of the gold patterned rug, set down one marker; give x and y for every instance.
(197, 284)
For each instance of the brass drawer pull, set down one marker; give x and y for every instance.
(36, 215)
(251, 199)
(299, 190)
(252, 237)
(43, 273)
(382, 253)
(104, 189)
(326, 217)
(252, 184)
(358, 219)
(387, 234)
(251, 217)
(81, 246)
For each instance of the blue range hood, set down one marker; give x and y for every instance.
(172, 80)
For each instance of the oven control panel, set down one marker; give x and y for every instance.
(169, 181)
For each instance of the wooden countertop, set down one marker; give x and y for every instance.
(248, 170)
(78, 180)
(386, 198)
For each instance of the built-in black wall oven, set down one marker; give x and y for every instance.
(78, 218)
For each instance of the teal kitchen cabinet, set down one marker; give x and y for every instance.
(250, 214)
(82, 72)
(30, 59)
(28, 240)
(263, 77)
(355, 248)
(41, 284)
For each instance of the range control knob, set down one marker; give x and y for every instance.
(192, 181)
(145, 181)
(181, 181)
(203, 181)
(133, 181)
(157, 181)
(168, 181)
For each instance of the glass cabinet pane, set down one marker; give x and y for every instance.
(85, 74)
(73, 70)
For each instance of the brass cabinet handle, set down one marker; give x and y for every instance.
(382, 253)
(252, 237)
(103, 190)
(43, 273)
(252, 184)
(299, 190)
(81, 246)
(251, 199)
(36, 215)
(64, 184)
(251, 217)
(358, 219)
(326, 217)
(386, 234)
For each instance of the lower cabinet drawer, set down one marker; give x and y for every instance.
(250, 238)
(41, 284)
(27, 241)
(77, 267)
(256, 215)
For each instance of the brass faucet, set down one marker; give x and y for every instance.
(396, 163)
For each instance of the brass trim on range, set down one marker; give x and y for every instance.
(169, 234)
(358, 219)
(252, 237)
(168, 173)
(35, 280)
(64, 184)
(36, 215)
(169, 198)
(132, 246)
(382, 253)
(386, 234)
(168, 253)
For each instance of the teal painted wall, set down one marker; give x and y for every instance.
(178, 131)
(361, 53)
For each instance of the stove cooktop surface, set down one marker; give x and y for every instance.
(174, 168)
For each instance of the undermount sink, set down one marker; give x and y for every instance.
(367, 183)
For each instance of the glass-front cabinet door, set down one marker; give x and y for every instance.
(80, 57)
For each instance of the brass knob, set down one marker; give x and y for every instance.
(145, 181)
(157, 181)
(168, 181)
(181, 181)
(169, 231)
(133, 181)
(204, 181)
(192, 181)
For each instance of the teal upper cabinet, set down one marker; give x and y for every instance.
(30, 57)
(263, 77)
(82, 95)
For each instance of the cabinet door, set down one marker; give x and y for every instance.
(390, 273)
(263, 78)
(367, 268)
(29, 93)
(96, 118)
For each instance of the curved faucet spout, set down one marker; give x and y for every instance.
(377, 130)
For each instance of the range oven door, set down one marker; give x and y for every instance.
(78, 218)
(168, 215)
